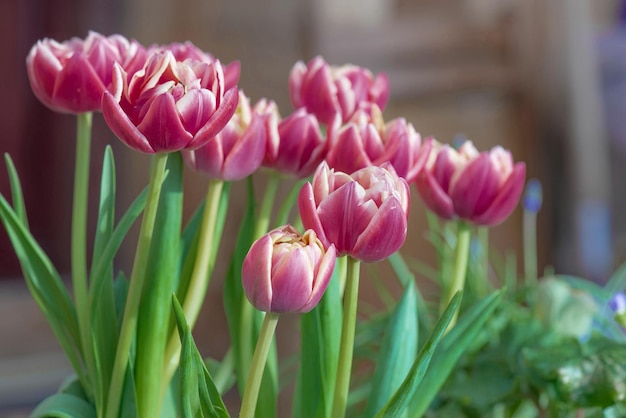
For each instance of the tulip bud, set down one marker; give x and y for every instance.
(71, 77)
(169, 105)
(299, 146)
(238, 150)
(366, 140)
(287, 272)
(327, 91)
(482, 188)
(363, 215)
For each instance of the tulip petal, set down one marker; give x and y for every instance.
(163, 125)
(195, 107)
(247, 154)
(78, 87)
(292, 281)
(475, 187)
(218, 120)
(208, 159)
(434, 197)
(322, 278)
(122, 126)
(346, 152)
(506, 200)
(308, 214)
(384, 235)
(256, 274)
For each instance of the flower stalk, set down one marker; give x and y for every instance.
(346, 348)
(131, 309)
(463, 239)
(257, 366)
(79, 239)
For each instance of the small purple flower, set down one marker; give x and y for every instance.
(618, 303)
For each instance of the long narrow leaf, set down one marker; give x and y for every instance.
(398, 351)
(401, 398)
(63, 405)
(198, 396)
(320, 337)
(452, 347)
(160, 283)
(45, 285)
(17, 196)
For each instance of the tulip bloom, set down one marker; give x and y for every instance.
(299, 146)
(364, 214)
(187, 50)
(482, 188)
(238, 150)
(169, 105)
(366, 140)
(287, 272)
(327, 91)
(70, 77)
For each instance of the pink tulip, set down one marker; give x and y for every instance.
(169, 105)
(299, 146)
(482, 188)
(366, 140)
(70, 77)
(187, 50)
(238, 150)
(287, 272)
(364, 214)
(327, 91)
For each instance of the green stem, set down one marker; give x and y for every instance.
(267, 204)
(530, 247)
(283, 213)
(346, 348)
(251, 393)
(463, 238)
(129, 321)
(79, 241)
(246, 331)
(482, 279)
(200, 277)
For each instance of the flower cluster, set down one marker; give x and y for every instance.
(166, 99)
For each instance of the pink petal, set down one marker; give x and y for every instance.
(218, 120)
(296, 76)
(195, 107)
(507, 198)
(247, 154)
(346, 152)
(122, 126)
(292, 281)
(434, 197)
(162, 126)
(384, 235)
(475, 187)
(208, 159)
(379, 91)
(78, 87)
(322, 277)
(256, 274)
(308, 214)
(231, 75)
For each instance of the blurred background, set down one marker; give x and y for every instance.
(544, 78)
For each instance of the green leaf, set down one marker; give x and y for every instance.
(63, 405)
(160, 283)
(401, 398)
(16, 191)
(452, 347)
(320, 338)
(45, 285)
(198, 395)
(398, 351)
(102, 298)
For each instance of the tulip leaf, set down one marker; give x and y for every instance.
(62, 405)
(17, 196)
(103, 319)
(160, 282)
(45, 284)
(198, 394)
(452, 347)
(402, 397)
(397, 353)
(320, 337)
